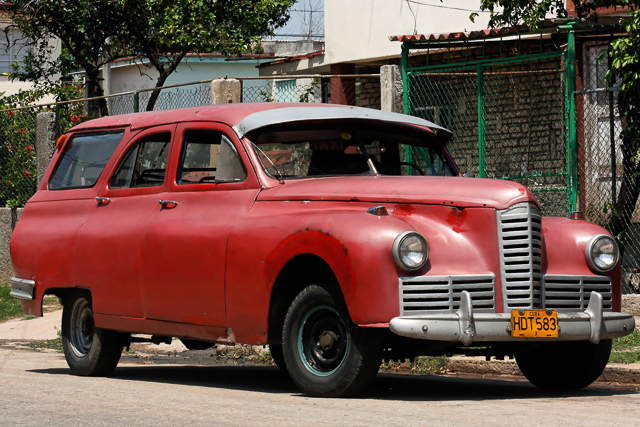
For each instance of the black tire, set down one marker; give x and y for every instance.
(278, 356)
(196, 344)
(325, 353)
(89, 351)
(564, 366)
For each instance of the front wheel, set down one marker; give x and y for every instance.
(325, 353)
(89, 351)
(563, 366)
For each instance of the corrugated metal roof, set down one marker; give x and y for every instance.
(480, 34)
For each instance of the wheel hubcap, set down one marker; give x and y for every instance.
(82, 327)
(323, 340)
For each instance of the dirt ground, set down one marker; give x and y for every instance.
(631, 304)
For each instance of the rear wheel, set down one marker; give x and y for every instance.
(563, 366)
(324, 352)
(89, 351)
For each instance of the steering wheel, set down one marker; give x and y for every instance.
(413, 165)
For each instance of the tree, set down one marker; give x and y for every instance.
(84, 28)
(165, 31)
(97, 32)
(625, 59)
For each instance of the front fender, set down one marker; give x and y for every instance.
(565, 244)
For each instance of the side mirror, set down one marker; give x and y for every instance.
(469, 175)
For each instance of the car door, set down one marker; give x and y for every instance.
(211, 185)
(110, 242)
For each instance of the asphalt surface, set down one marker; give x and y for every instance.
(38, 389)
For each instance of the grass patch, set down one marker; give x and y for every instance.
(422, 365)
(10, 307)
(626, 349)
(54, 344)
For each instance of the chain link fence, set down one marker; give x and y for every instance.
(19, 126)
(508, 121)
(607, 166)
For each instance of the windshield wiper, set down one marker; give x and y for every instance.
(372, 167)
(281, 180)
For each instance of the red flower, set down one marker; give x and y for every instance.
(26, 174)
(75, 119)
(29, 148)
(10, 114)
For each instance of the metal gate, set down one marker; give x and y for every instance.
(510, 119)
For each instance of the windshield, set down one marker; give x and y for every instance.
(298, 151)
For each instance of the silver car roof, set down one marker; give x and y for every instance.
(298, 114)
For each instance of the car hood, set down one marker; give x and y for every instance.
(450, 191)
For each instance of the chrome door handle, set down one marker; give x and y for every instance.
(103, 200)
(166, 203)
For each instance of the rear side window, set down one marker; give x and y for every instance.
(145, 165)
(84, 159)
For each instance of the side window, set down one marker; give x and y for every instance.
(209, 157)
(84, 159)
(145, 164)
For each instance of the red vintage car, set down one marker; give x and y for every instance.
(339, 236)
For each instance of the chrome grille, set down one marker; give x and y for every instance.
(520, 240)
(429, 294)
(571, 293)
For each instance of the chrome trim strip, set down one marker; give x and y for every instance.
(22, 288)
(465, 326)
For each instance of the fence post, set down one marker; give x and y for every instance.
(482, 172)
(391, 89)
(45, 142)
(136, 102)
(226, 91)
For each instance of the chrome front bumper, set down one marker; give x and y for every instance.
(22, 288)
(466, 327)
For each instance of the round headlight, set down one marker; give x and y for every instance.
(602, 253)
(410, 250)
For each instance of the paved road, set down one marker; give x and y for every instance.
(37, 389)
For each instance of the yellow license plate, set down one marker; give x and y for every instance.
(534, 323)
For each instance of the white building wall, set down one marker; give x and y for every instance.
(127, 77)
(360, 29)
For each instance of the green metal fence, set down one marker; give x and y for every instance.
(510, 119)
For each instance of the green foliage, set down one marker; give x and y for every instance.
(54, 344)
(96, 32)
(17, 139)
(10, 307)
(626, 349)
(165, 31)
(422, 365)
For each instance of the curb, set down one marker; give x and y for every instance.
(475, 365)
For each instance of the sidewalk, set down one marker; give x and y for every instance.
(46, 328)
(41, 328)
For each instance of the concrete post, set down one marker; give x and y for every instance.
(226, 91)
(391, 97)
(8, 220)
(45, 141)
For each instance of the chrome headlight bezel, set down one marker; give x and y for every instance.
(401, 240)
(592, 244)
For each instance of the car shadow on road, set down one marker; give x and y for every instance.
(387, 386)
